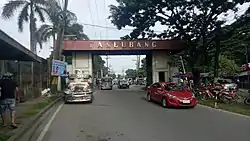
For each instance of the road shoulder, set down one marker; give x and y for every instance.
(26, 114)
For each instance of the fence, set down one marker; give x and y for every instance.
(23, 76)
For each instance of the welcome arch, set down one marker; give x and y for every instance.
(156, 51)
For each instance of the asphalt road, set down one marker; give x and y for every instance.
(125, 115)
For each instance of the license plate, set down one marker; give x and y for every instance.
(186, 101)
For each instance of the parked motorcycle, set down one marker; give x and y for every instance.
(247, 99)
(230, 96)
(206, 94)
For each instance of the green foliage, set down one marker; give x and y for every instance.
(29, 10)
(227, 66)
(141, 72)
(75, 29)
(98, 64)
(181, 21)
(119, 76)
(131, 73)
(144, 64)
(112, 75)
(11, 7)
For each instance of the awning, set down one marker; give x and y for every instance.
(10, 49)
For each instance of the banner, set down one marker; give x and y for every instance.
(59, 68)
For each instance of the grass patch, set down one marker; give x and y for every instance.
(4, 137)
(234, 107)
(36, 108)
(32, 110)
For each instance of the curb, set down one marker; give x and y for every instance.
(224, 111)
(20, 132)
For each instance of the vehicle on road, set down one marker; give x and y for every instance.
(227, 84)
(139, 81)
(169, 94)
(78, 92)
(123, 84)
(106, 83)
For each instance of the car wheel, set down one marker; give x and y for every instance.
(164, 103)
(91, 101)
(149, 97)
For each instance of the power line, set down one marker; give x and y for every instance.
(107, 27)
(113, 28)
(106, 23)
(92, 20)
(97, 14)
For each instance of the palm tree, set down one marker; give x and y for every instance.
(29, 9)
(54, 11)
(60, 18)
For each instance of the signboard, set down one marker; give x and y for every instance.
(89, 45)
(59, 68)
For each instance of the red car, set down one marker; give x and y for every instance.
(170, 95)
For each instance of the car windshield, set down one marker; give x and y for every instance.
(107, 80)
(173, 87)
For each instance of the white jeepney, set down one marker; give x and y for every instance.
(79, 90)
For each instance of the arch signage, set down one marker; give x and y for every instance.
(88, 45)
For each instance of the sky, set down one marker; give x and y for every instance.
(93, 12)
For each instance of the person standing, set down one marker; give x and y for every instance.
(9, 95)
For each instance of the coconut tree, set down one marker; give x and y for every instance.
(29, 10)
(54, 12)
(60, 18)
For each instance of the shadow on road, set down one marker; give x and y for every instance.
(89, 104)
(157, 104)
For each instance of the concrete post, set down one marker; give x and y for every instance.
(2, 66)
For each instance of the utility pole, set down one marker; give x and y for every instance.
(107, 61)
(217, 51)
(138, 62)
(182, 64)
(217, 56)
(246, 49)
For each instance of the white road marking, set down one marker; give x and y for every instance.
(46, 128)
(224, 111)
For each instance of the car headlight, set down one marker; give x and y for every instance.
(67, 92)
(171, 96)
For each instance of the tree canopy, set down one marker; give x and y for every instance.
(131, 73)
(195, 22)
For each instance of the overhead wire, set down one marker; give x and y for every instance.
(114, 28)
(92, 20)
(105, 13)
(97, 15)
(108, 27)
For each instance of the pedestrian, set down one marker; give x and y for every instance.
(9, 95)
(169, 79)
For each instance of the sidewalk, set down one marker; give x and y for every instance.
(24, 111)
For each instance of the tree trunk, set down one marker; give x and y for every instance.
(60, 34)
(59, 42)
